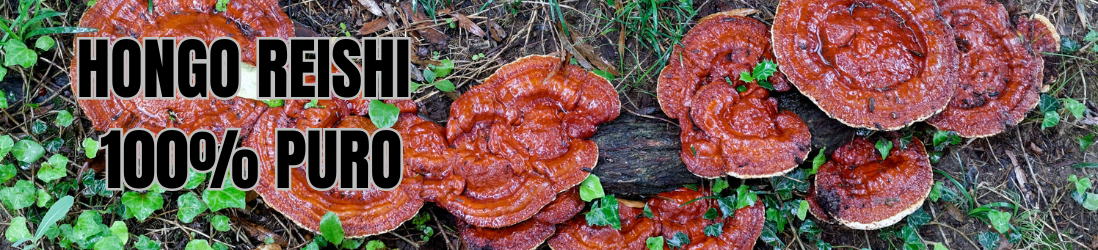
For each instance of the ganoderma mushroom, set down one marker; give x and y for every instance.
(1039, 33)
(677, 214)
(876, 64)
(998, 78)
(861, 191)
(528, 234)
(520, 138)
(244, 21)
(730, 127)
(635, 230)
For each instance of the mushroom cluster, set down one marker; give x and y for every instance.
(528, 234)
(677, 212)
(730, 127)
(862, 189)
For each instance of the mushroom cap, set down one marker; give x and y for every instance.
(362, 212)
(1039, 33)
(725, 132)
(998, 79)
(528, 234)
(814, 207)
(244, 20)
(877, 64)
(520, 138)
(675, 215)
(635, 230)
(861, 191)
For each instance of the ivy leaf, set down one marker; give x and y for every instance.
(714, 229)
(7, 171)
(654, 243)
(17, 53)
(3, 96)
(141, 205)
(911, 238)
(1048, 104)
(775, 216)
(6, 143)
(17, 230)
(1091, 202)
(802, 209)
(120, 230)
(647, 211)
(939, 246)
(999, 220)
(45, 43)
(745, 197)
(604, 212)
(445, 85)
(936, 191)
(144, 243)
(1091, 36)
(54, 146)
(884, 146)
(18, 196)
(818, 161)
(1085, 142)
(274, 103)
(27, 151)
(988, 239)
(710, 214)
(727, 205)
(375, 245)
(198, 245)
(1081, 185)
(1075, 107)
(382, 114)
(943, 138)
(228, 197)
(91, 147)
(64, 118)
(1051, 120)
(219, 246)
(1068, 46)
(222, 5)
(331, 228)
(194, 179)
(87, 225)
(679, 240)
(918, 218)
(38, 127)
(591, 188)
(44, 197)
(809, 227)
(221, 223)
(189, 207)
(54, 168)
(719, 185)
(110, 242)
(314, 104)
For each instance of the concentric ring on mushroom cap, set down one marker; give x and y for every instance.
(361, 212)
(876, 64)
(521, 137)
(726, 132)
(1040, 34)
(528, 234)
(683, 210)
(635, 230)
(245, 20)
(998, 79)
(861, 191)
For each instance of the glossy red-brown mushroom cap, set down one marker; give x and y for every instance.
(878, 64)
(635, 230)
(861, 191)
(725, 131)
(244, 21)
(677, 214)
(528, 234)
(521, 137)
(1039, 33)
(998, 78)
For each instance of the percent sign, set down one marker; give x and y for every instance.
(137, 159)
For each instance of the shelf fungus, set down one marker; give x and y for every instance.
(520, 138)
(999, 77)
(877, 64)
(1039, 33)
(635, 230)
(678, 214)
(528, 234)
(362, 212)
(861, 191)
(730, 127)
(244, 21)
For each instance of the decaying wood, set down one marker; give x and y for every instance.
(640, 157)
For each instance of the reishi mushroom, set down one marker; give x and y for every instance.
(876, 64)
(1040, 34)
(244, 21)
(635, 230)
(528, 234)
(726, 131)
(861, 191)
(998, 77)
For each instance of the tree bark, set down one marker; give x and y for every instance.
(639, 157)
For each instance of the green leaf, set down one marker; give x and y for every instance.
(1085, 142)
(313, 104)
(809, 227)
(38, 127)
(59, 30)
(802, 209)
(444, 69)
(591, 188)
(375, 245)
(144, 243)
(274, 103)
(54, 145)
(719, 185)
(746, 77)
(1085, 165)
(87, 225)
(445, 85)
(413, 86)
(27, 151)
(91, 147)
(198, 245)
(711, 214)
(120, 230)
(1091, 36)
(189, 207)
(910, 236)
(44, 43)
(999, 220)
(884, 146)
(647, 211)
(228, 197)
(603, 74)
(194, 179)
(222, 5)
(943, 138)
(739, 89)
(314, 246)
(745, 197)
(54, 169)
(678, 240)
(64, 118)
(775, 216)
(714, 229)
(17, 230)
(766, 85)
(818, 161)
(1051, 120)
(382, 114)
(1081, 185)
(44, 198)
(918, 218)
(765, 69)
(108, 243)
(1075, 107)
(727, 205)
(18, 196)
(7, 171)
(1048, 104)
(221, 223)
(6, 144)
(17, 53)
(939, 246)
(428, 75)
(988, 239)
(141, 205)
(219, 246)
(654, 243)
(331, 228)
(1091, 202)
(1068, 46)
(604, 212)
(56, 212)
(3, 96)
(936, 191)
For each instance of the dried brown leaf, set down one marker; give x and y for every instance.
(374, 26)
(467, 24)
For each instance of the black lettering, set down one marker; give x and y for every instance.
(171, 175)
(354, 162)
(347, 82)
(126, 68)
(385, 171)
(158, 67)
(290, 153)
(92, 65)
(192, 78)
(271, 64)
(224, 68)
